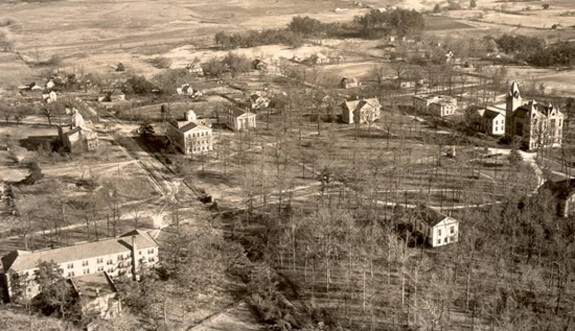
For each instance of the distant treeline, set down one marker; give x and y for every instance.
(536, 52)
(371, 25)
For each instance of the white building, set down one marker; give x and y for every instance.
(493, 122)
(362, 111)
(122, 256)
(438, 229)
(438, 105)
(192, 135)
(240, 120)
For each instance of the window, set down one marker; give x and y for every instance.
(100, 269)
(438, 241)
(452, 229)
(84, 263)
(100, 260)
(139, 252)
(109, 262)
(70, 265)
(151, 251)
(439, 232)
(71, 274)
(445, 240)
(150, 259)
(86, 271)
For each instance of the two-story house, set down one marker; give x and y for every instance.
(438, 229)
(362, 111)
(240, 120)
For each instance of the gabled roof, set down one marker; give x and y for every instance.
(562, 189)
(429, 215)
(27, 260)
(237, 112)
(358, 104)
(491, 114)
(192, 126)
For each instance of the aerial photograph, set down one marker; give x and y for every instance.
(277, 165)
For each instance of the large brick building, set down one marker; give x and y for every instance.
(124, 256)
(535, 124)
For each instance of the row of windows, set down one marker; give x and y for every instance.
(200, 134)
(451, 230)
(100, 260)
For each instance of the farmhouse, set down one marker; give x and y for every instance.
(493, 121)
(258, 64)
(258, 101)
(195, 69)
(240, 120)
(362, 111)
(126, 255)
(319, 59)
(563, 193)
(438, 229)
(97, 295)
(349, 82)
(79, 136)
(49, 96)
(191, 136)
(536, 124)
(438, 105)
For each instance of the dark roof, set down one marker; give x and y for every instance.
(562, 189)
(429, 215)
(237, 112)
(94, 285)
(491, 114)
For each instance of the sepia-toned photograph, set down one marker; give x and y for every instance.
(285, 165)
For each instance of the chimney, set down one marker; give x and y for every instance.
(190, 115)
(135, 261)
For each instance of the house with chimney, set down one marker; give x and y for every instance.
(240, 120)
(535, 124)
(79, 136)
(437, 105)
(362, 111)
(192, 135)
(124, 256)
(437, 228)
(493, 120)
(351, 82)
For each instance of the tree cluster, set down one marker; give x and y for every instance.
(233, 64)
(397, 21)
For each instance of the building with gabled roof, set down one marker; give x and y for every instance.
(122, 256)
(536, 124)
(349, 82)
(240, 120)
(437, 228)
(362, 111)
(563, 193)
(493, 121)
(191, 135)
(438, 105)
(79, 136)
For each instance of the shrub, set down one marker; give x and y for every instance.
(161, 62)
